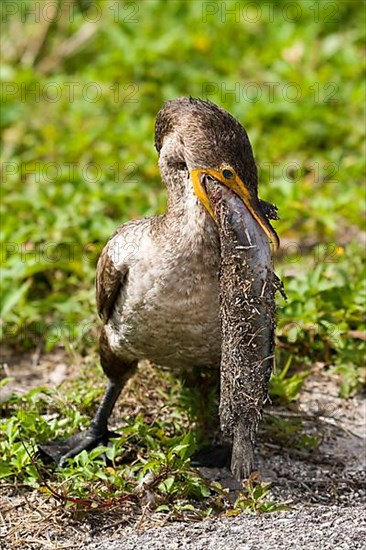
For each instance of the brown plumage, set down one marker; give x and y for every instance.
(157, 278)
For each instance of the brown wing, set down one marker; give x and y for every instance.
(109, 282)
(123, 246)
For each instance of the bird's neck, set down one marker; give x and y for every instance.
(187, 217)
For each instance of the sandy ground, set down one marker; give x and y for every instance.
(325, 490)
(315, 528)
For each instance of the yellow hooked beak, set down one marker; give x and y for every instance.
(234, 183)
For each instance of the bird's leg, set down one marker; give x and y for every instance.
(99, 424)
(96, 434)
(212, 451)
(118, 372)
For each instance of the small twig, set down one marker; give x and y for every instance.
(91, 504)
(331, 481)
(314, 418)
(303, 455)
(68, 47)
(112, 525)
(44, 27)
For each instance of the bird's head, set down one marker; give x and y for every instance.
(209, 145)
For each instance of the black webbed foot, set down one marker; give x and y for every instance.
(59, 451)
(98, 434)
(214, 456)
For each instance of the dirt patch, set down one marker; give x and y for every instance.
(324, 487)
(29, 370)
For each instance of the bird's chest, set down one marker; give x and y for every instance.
(185, 291)
(170, 311)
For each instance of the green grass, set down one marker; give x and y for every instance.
(148, 462)
(76, 167)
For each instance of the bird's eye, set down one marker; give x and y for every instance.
(228, 174)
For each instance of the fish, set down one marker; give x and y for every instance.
(247, 288)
